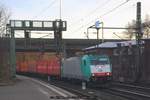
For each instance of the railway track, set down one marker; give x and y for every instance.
(115, 91)
(132, 87)
(130, 92)
(75, 89)
(89, 93)
(80, 94)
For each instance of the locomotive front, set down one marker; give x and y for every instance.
(99, 67)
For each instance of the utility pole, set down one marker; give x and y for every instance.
(12, 54)
(27, 34)
(58, 35)
(102, 32)
(138, 41)
(60, 9)
(138, 23)
(97, 28)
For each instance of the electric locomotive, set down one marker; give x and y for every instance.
(89, 68)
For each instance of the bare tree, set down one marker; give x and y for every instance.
(146, 26)
(4, 17)
(130, 33)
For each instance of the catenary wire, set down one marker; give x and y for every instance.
(45, 9)
(104, 14)
(91, 12)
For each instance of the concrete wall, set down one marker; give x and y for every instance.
(4, 59)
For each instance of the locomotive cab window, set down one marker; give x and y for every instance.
(99, 62)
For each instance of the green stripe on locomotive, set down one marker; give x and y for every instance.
(85, 66)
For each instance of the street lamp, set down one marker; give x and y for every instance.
(97, 27)
(88, 30)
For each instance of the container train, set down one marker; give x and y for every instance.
(89, 68)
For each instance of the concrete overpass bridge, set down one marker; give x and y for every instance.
(48, 45)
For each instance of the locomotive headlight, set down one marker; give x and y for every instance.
(108, 74)
(93, 75)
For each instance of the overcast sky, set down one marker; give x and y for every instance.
(79, 14)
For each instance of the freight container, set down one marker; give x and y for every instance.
(38, 62)
(42, 67)
(71, 68)
(54, 66)
(32, 66)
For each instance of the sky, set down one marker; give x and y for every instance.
(79, 14)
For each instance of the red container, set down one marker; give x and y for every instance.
(32, 66)
(26, 61)
(23, 67)
(17, 66)
(54, 67)
(42, 67)
(37, 62)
